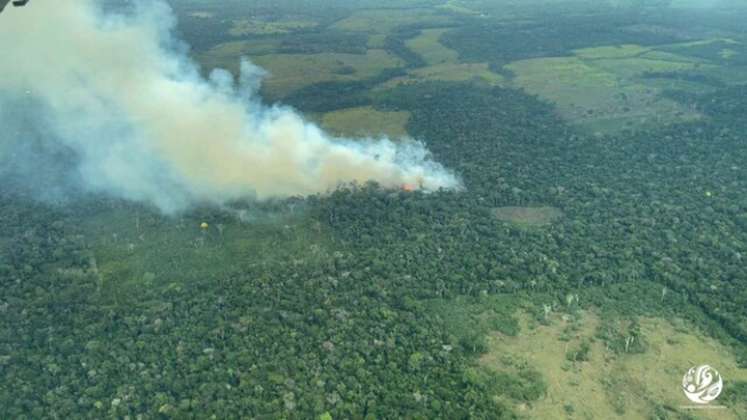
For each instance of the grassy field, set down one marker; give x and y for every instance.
(376, 41)
(259, 27)
(629, 68)
(433, 52)
(366, 122)
(456, 72)
(605, 92)
(603, 89)
(609, 385)
(288, 72)
(613, 51)
(599, 89)
(228, 52)
(385, 20)
(443, 63)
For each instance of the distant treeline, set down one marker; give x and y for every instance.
(502, 43)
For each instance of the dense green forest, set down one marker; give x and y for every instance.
(376, 303)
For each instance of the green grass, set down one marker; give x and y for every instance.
(443, 63)
(459, 72)
(724, 51)
(606, 384)
(632, 67)
(366, 121)
(385, 20)
(612, 51)
(602, 89)
(433, 52)
(228, 52)
(456, 72)
(377, 41)
(602, 94)
(242, 27)
(673, 58)
(289, 72)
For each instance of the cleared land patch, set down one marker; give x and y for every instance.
(259, 27)
(457, 72)
(723, 51)
(443, 63)
(366, 121)
(612, 51)
(228, 52)
(433, 52)
(377, 41)
(450, 72)
(385, 20)
(602, 94)
(629, 68)
(604, 384)
(608, 88)
(288, 72)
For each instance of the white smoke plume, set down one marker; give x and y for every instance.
(121, 93)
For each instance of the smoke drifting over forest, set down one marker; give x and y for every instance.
(120, 93)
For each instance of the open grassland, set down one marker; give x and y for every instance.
(386, 20)
(442, 64)
(725, 51)
(603, 93)
(377, 41)
(427, 45)
(629, 68)
(612, 51)
(228, 52)
(366, 122)
(288, 72)
(604, 384)
(604, 89)
(456, 72)
(242, 27)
